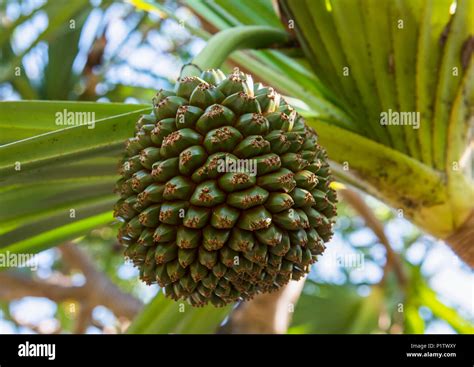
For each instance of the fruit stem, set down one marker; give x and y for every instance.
(222, 44)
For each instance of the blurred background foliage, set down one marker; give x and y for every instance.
(124, 52)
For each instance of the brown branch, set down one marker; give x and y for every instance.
(359, 205)
(15, 286)
(462, 241)
(268, 313)
(98, 289)
(84, 318)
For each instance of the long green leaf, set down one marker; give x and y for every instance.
(344, 310)
(347, 13)
(459, 165)
(59, 18)
(7, 31)
(428, 298)
(413, 323)
(68, 144)
(58, 235)
(404, 24)
(23, 200)
(62, 51)
(81, 210)
(165, 316)
(318, 30)
(450, 76)
(379, 36)
(21, 82)
(42, 115)
(102, 167)
(434, 20)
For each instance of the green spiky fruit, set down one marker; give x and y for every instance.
(224, 191)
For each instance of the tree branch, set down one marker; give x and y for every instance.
(98, 289)
(268, 313)
(15, 286)
(84, 318)
(359, 205)
(462, 241)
